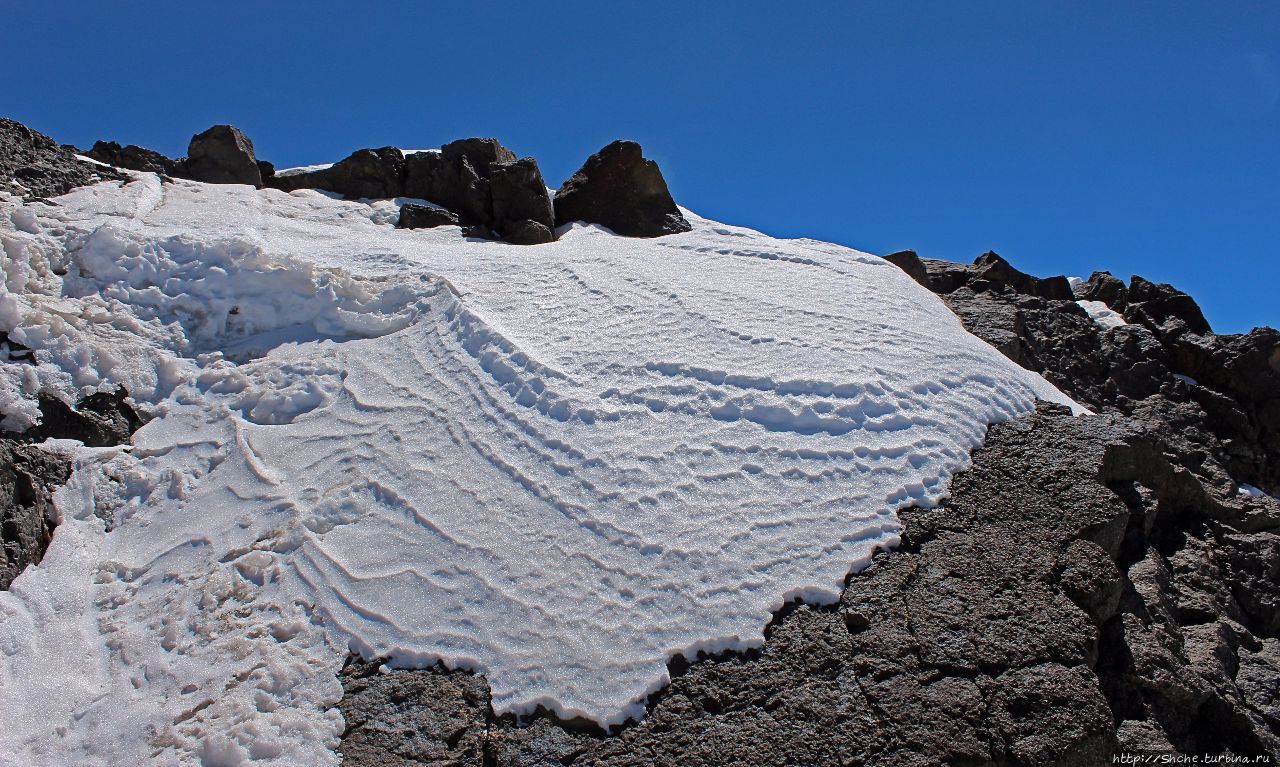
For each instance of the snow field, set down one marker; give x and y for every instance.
(556, 465)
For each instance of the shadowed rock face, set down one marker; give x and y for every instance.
(134, 157)
(29, 475)
(222, 155)
(620, 189)
(33, 165)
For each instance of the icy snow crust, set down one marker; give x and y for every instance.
(556, 465)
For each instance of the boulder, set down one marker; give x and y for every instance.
(414, 216)
(1102, 286)
(520, 197)
(222, 155)
(1163, 308)
(527, 232)
(621, 190)
(133, 157)
(34, 166)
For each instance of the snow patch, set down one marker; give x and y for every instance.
(1102, 314)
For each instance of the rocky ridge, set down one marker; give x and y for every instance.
(483, 185)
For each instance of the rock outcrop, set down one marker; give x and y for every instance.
(32, 165)
(365, 173)
(222, 155)
(30, 474)
(28, 477)
(134, 157)
(478, 181)
(621, 190)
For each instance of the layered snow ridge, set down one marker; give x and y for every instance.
(555, 465)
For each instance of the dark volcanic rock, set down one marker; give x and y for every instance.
(28, 477)
(32, 165)
(1102, 286)
(414, 216)
(222, 155)
(372, 173)
(400, 720)
(909, 262)
(520, 198)
(99, 420)
(1162, 308)
(528, 232)
(620, 189)
(457, 177)
(133, 157)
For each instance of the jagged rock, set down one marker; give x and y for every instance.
(1102, 286)
(28, 476)
(1163, 308)
(267, 170)
(32, 165)
(221, 155)
(621, 190)
(909, 262)
(521, 203)
(413, 216)
(371, 173)
(133, 157)
(99, 420)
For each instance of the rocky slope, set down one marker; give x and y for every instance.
(1096, 585)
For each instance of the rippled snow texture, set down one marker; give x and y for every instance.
(557, 465)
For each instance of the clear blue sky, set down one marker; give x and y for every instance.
(1067, 136)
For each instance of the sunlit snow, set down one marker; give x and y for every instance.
(557, 465)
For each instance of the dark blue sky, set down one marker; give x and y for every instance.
(1133, 137)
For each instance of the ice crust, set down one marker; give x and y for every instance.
(556, 465)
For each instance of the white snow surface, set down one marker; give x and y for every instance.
(557, 465)
(1102, 314)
